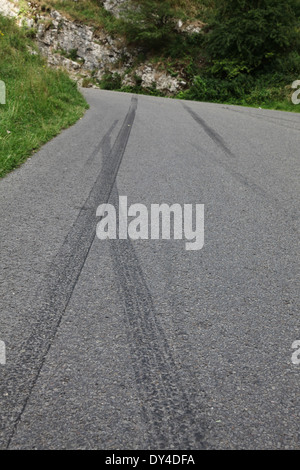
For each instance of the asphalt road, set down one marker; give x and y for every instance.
(123, 344)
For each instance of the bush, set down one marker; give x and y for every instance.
(149, 23)
(111, 81)
(247, 35)
(263, 89)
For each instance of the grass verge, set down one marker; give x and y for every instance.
(88, 12)
(268, 91)
(40, 101)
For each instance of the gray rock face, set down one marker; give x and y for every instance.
(113, 5)
(85, 54)
(76, 46)
(163, 82)
(72, 45)
(8, 9)
(190, 27)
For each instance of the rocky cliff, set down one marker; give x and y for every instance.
(85, 53)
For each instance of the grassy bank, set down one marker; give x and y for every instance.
(265, 90)
(88, 12)
(40, 101)
(92, 12)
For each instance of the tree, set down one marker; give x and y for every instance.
(246, 35)
(149, 23)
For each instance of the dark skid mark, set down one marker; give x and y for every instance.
(243, 180)
(289, 216)
(210, 132)
(18, 379)
(171, 411)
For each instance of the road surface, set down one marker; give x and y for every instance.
(123, 344)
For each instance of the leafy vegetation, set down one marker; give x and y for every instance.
(248, 35)
(40, 101)
(149, 23)
(262, 90)
(248, 51)
(252, 51)
(89, 12)
(111, 81)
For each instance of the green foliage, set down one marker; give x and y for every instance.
(137, 89)
(183, 46)
(269, 90)
(89, 12)
(247, 35)
(30, 33)
(71, 54)
(149, 23)
(249, 54)
(253, 54)
(39, 101)
(213, 89)
(111, 81)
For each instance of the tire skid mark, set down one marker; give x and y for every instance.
(210, 132)
(17, 380)
(170, 413)
(289, 216)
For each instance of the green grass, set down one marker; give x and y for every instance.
(88, 12)
(92, 13)
(265, 90)
(40, 101)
